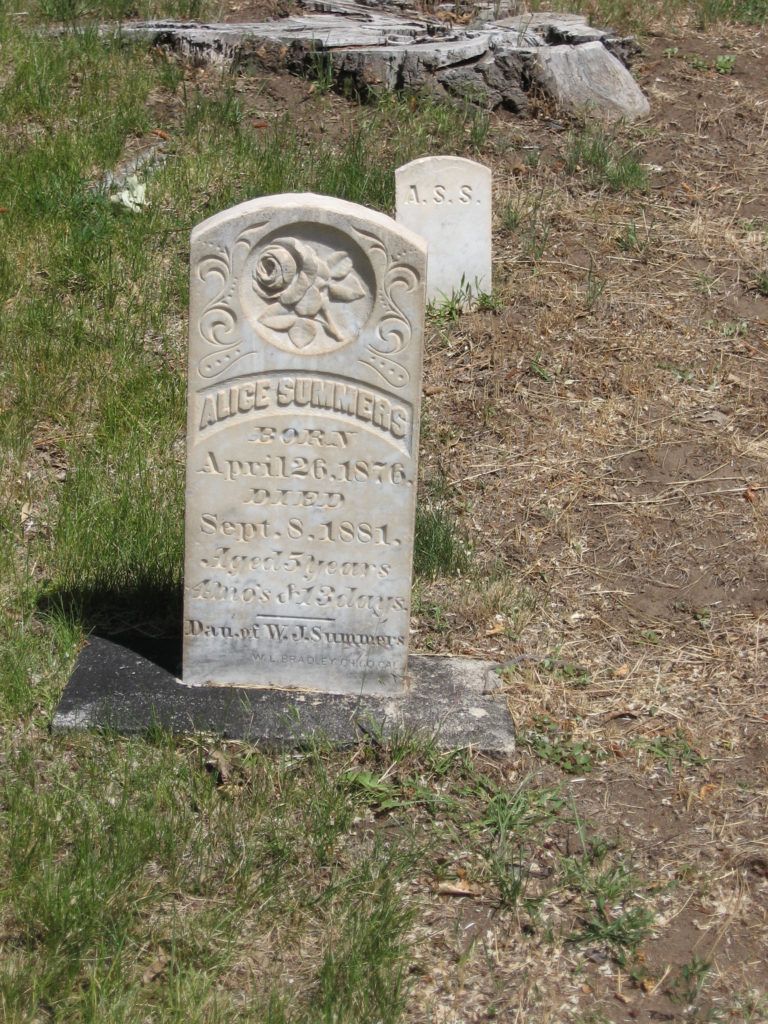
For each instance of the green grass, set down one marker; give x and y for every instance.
(441, 548)
(629, 16)
(441, 545)
(593, 289)
(77, 12)
(674, 749)
(749, 12)
(511, 820)
(555, 742)
(143, 859)
(604, 159)
(525, 215)
(93, 334)
(615, 915)
(635, 241)
(161, 879)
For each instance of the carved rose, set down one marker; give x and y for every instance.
(300, 287)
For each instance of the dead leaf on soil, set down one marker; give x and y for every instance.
(751, 492)
(457, 889)
(219, 766)
(156, 969)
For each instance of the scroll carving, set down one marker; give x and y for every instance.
(394, 331)
(219, 318)
(307, 289)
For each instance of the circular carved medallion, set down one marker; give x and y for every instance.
(307, 289)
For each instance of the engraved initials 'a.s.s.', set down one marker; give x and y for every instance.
(438, 195)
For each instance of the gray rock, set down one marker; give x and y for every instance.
(470, 84)
(556, 28)
(589, 79)
(509, 71)
(368, 70)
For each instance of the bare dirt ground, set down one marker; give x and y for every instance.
(611, 450)
(601, 436)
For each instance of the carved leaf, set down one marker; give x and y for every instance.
(214, 263)
(277, 319)
(310, 303)
(346, 291)
(340, 265)
(323, 270)
(374, 243)
(391, 371)
(302, 333)
(216, 362)
(216, 323)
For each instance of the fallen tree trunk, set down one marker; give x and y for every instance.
(363, 49)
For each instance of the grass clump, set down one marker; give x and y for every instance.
(625, 15)
(364, 974)
(527, 216)
(612, 914)
(554, 742)
(441, 547)
(126, 893)
(673, 749)
(513, 821)
(606, 161)
(640, 19)
(75, 12)
(748, 12)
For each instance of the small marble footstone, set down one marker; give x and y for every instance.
(447, 200)
(456, 702)
(305, 355)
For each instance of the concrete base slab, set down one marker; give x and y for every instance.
(455, 701)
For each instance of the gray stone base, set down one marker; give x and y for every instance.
(451, 700)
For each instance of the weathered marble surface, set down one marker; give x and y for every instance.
(305, 354)
(447, 200)
(491, 62)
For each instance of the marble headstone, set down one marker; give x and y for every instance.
(305, 357)
(447, 200)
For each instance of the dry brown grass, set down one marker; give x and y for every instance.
(611, 457)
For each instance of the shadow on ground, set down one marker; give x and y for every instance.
(143, 617)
